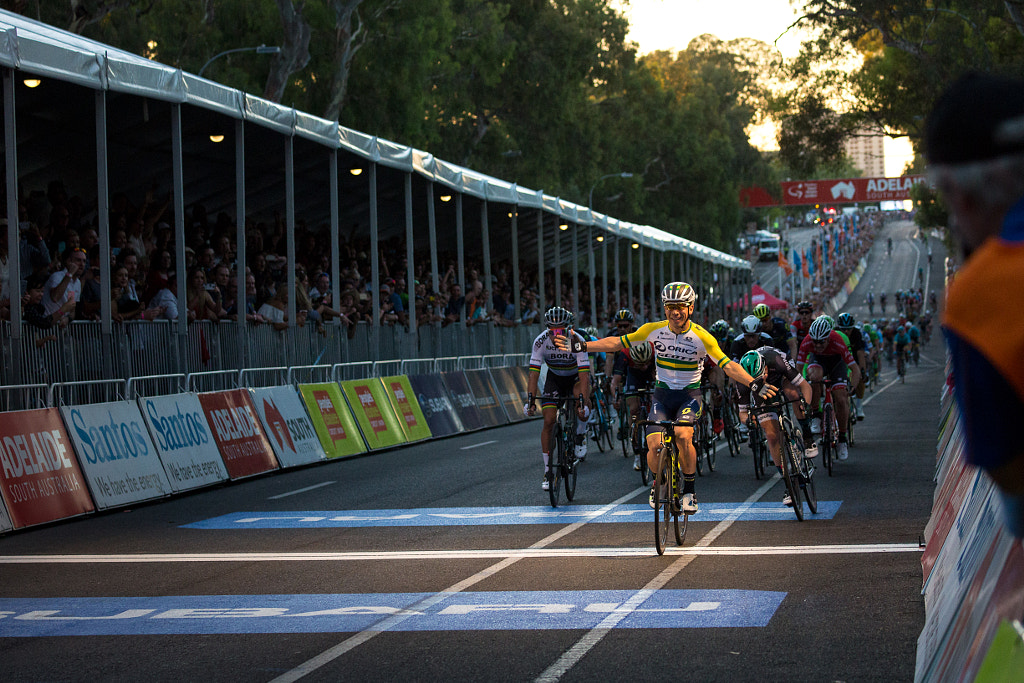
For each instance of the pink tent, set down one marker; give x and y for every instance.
(759, 296)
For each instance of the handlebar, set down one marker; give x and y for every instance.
(663, 423)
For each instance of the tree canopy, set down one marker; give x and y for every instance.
(546, 93)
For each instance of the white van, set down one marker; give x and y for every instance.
(769, 244)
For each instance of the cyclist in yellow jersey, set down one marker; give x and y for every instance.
(680, 346)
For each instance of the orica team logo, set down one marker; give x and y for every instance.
(684, 350)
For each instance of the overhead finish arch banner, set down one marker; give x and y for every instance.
(332, 420)
(116, 453)
(406, 407)
(288, 427)
(372, 410)
(182, 437)
(237, 431)
(40, 480)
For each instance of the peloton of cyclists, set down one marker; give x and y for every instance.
(568, 375)
(680, 346)
(773, 367)
(826, 355)
(777, 329)
(860, 346)
(633, 370)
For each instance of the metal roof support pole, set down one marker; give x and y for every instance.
(629, 283)
(13, 234)
(556, 297)
(618, 275)
(661, 270)
(604, 276)
(641, 284)
(485, 238)
(485, 244)
(177, 180)
(103, 227)
(591, 268)
(410, 267)
(654, 286)
(289, 227)
(576, 271)
(517, 303)
(540, 261)
(460, 247)
(242, 300)
(432, 232)
(374, 260)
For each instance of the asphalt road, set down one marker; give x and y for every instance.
(444, 561)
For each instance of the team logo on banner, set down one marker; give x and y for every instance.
(371, 409)
(335, 429)
(39, 477)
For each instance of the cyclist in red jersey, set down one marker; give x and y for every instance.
(802, 322)
(826, 354)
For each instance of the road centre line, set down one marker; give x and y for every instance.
(296, 491)
(574, 654)
(478, 445)
(516, 553)
(332, 653)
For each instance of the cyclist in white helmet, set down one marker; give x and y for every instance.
(568, 375)
(680, 346)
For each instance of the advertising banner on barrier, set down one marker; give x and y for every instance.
(332, 420)
(486, 397)
(436, 405)
(287, 425)
(508, 392)
(183, 439)
(465, 403)
(236, 429)
(406, 407)
(40, 480)
(372, 410)
(5, 519)
(116, 453)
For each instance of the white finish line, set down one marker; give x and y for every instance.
(524, 553)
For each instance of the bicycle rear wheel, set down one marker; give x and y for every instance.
(555, 465)
(825, 444)
(662, 501)
(709, 443)
(625, 429)
(570, 466)
(732, 431)
(790, 474)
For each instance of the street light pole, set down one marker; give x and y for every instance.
(590, 246)
(260, 50)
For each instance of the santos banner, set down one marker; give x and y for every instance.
(39, 477)
(407, 408)
(465, 403)
(288, 427)
(183, 440)
(238, 433)
(372, 409)
(115, 451)
(508, 391)
(332, 420)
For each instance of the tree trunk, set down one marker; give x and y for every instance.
(294, 53)
(1016, 10)
(347, 41)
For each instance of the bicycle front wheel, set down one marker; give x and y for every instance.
(555, 469)
(828, 455)
(662, 500)
(680, 527)
(709, 444)
(790, 474)
(570, 465)
(756, 444)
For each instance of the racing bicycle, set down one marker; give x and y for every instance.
(600, 426)
(829, 442)
(563, 465)
(667, 480)
(637, 434)
(797, 471)
(704, 436)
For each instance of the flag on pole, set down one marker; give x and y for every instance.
(784, 264)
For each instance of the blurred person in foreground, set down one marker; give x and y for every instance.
(975, 148)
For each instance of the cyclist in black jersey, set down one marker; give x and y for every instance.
(777, 329)
(859, 347)
(751, 338)
(772, 366)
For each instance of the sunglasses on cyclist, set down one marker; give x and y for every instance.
(676, 307)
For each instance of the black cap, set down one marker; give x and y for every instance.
(979, 117)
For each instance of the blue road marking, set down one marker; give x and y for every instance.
(709, 512)
(343, 613)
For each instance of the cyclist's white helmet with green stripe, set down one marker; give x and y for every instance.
(678, 293)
